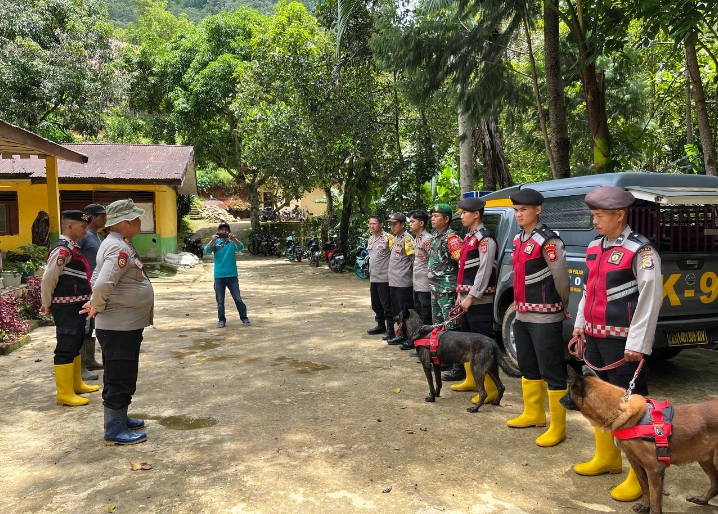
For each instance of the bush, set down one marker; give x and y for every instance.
(11, 326)
(31, 301)
(215, 179)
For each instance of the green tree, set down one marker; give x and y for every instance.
(57, 65)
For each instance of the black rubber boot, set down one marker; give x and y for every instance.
(457, 372)
(389, 334)
(116, 431)
(380, 328)
(407, 345)
(397, 340)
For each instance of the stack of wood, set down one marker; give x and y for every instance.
(217, 214)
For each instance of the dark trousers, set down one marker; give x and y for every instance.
(401, 298)
(422, 305)
(602, 352)
(540, 352)
(70, 331)
(231, 283)
(381, 303)
(89, 328)
(478, 319)
(121, 357)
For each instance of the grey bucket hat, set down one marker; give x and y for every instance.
(122, 210)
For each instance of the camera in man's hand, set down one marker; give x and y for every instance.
(222, 235)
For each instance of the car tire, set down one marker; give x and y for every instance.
(507, 334)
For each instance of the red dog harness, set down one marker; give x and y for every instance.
(432, 343)
(655, 425)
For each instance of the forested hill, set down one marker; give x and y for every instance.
(123, 11)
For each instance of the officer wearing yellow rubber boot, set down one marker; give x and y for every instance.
(64, 288)
(476, 285)
(541, 289)
(617, 315)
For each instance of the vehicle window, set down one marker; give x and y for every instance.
(491, 221)
(568, 212)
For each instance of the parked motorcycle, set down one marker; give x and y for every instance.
(361, 265)
(193, 246)
(267, 214)
(293, 249)
(313, 251)
(333, 256)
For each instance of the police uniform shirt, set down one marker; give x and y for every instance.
(57, 260)
(487, 264)
(378, 248)
(421, 262)
(401, 261)
(554, 252)
(122, 294)
(647, 270)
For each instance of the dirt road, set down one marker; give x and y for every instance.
(301, 412)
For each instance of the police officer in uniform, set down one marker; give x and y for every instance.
(541, 289)
(64, 288)
(401, 271)
(617, 314)
(418, 221)
(378, 248)
(89, 246)
(476, 285)
(122, 302)
(444, 253)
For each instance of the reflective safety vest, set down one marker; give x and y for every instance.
(474, 245)
(611, 287)
(73, 284)
(534, 289)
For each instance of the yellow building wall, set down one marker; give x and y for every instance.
(33, 198)
(307, 202)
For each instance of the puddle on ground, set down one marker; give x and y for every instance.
(182, 422)
(198, 345)
(301, 366)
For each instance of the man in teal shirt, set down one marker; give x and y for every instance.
(224, 245)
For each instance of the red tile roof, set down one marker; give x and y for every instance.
(113, 163)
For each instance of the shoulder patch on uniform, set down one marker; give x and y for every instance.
(551, 252)
(62, 256)
(122, 259)
(454, 244)
(484, 246)
(646, 256)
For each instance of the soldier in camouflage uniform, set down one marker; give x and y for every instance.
(444, 253)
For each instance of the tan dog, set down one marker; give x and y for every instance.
(695, 435)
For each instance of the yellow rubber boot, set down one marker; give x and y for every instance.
(607, 458)
(77, 383)
(468, 384)
(534, 414)
(63, 381)
(629, 490)
(491, 389)
(557, 429)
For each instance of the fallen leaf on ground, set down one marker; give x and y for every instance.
(136, 466)
(397, 389)
(111, 507)
(386, 490)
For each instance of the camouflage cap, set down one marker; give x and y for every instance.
(441, 208)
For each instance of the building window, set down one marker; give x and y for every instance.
(143, 199)
(9, 219)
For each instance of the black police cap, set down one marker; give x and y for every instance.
(472, 204)
(75, 216)
(527, 196)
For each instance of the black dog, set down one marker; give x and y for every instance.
(456, 348)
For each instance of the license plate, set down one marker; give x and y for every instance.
(681, 337)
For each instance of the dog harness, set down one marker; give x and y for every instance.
(655, 425)
(433, 343)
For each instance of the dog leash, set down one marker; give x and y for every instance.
(454, 314)
(577, 348)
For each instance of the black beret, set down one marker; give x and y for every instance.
(472, 204)
(397, 216)
(75, 216)
(94, 208)
(609, 198)
(527, 196)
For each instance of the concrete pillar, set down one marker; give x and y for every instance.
(53, 197)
